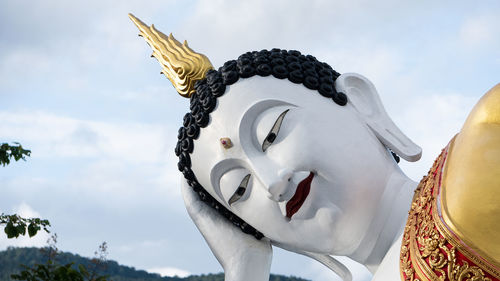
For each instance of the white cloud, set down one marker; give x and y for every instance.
(481, 31)
(25, 60)
(60, 136)
(244, 26)
(25, 211)
(432, 121)
(169, 271)
(380, 63)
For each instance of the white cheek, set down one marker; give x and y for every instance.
(295, 147)
(261, 212)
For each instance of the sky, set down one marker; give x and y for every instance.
(78, 88)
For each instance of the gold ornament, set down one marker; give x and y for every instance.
(182, 66)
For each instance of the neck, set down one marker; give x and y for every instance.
(388, 223)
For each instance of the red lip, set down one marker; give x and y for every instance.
(294, 204)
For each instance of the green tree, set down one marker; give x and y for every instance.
(52, 271)
(7, 152)
(15, 225)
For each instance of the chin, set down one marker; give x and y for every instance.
(317, 234)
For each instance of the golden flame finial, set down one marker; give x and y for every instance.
(182, 66)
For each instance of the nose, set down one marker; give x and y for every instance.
(278, 186)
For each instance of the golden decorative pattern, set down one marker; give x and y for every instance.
(429, 251)
(182, 66)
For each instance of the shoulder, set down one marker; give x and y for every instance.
(470, 196)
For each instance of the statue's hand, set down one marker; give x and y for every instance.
(243, 257)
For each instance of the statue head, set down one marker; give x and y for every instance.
(301, 169)
(287, 148)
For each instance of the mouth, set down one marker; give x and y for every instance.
(293, 205)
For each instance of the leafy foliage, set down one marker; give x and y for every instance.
(7, 152)
(16, 225)
(51, 272)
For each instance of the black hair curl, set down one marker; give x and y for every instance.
(281, 64)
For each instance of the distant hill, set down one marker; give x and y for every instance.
(11, 258)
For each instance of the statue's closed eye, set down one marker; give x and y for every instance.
(271, 136)
(240, 190)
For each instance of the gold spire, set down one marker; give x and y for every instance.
(182, 66)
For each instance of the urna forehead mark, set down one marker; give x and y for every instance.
(226, 142)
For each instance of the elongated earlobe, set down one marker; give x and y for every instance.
(364, 98)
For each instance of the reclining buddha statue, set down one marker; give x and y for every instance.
(279, 149)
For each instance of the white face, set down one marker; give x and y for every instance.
(317, 138)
